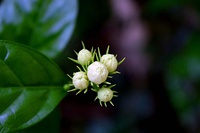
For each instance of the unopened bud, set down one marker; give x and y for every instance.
(105, 94)
(110, 61)
(97, 72)
(84, 57)
(80, 80)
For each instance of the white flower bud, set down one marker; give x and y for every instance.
(105, 94)
(110, 61)
(97, 72)
(84, 57)
(80, 80)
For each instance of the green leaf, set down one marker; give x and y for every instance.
(45, 25)
(50, 124)
(31, 86)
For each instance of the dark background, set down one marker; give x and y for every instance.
(159, 85)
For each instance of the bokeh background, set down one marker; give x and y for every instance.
(159, 85)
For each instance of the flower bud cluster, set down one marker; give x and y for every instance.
(94, 70)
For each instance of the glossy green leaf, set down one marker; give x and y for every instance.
(50, 124)
(31, 86)
(45, 25)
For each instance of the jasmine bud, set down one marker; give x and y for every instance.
(110, 61)
(84, 57)
(80, 80)
(97, 72)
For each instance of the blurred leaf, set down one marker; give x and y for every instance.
(46, 25)
(31, 86)
(155, 6)
(183, 77)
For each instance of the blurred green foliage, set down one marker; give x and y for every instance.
(44, 25)
(183, 77)
(175, 26)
